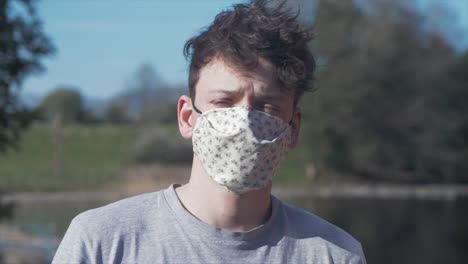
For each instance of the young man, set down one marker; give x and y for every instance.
(247, 73)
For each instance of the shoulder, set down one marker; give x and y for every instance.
(302, 224)
(99, 235)
(120, 215)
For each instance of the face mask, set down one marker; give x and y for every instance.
(240, 148)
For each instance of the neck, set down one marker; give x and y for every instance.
(215, 205)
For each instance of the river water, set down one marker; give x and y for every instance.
(391, 231)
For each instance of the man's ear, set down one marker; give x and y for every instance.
(184, 116)
(296, 127)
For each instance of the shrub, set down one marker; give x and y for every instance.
(161, 146)
(65, 103)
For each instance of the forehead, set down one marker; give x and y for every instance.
(220, 76)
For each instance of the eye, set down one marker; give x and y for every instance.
(269, 108)
(222, 103)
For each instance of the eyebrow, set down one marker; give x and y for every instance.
(270, 96)
(226, 92)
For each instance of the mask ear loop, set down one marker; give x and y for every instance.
(290, 121)
(195, 107)
(292, 117)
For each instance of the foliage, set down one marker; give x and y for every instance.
(63, 103)
(117, 112)
(161, 145)
(148, 99)
(387, 100)
(23, 45)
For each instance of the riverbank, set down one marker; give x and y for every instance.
(150, 178)
(429, 192)
(378, 191)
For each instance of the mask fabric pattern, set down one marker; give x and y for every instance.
(240, 148)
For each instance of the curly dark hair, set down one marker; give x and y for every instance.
(248, 32)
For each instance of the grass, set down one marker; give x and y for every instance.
(93, 156)
(90, 156)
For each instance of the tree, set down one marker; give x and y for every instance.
(23, 45)
(452, 102)
(382, 80)
(142, 90)
(149, 99)
(117, 112)
(64, 104)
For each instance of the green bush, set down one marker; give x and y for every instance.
(64, 103)
(161, 146)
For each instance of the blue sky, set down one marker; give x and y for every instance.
(100, 44)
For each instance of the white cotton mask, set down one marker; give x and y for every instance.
(240, 148)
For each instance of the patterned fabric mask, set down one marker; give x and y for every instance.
(240, 148)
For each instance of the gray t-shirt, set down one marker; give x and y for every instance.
(155, 228)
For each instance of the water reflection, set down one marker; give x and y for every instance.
(30, 235)
(48, 220)
(401, 231)
(391, 231)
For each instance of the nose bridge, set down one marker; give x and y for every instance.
(248, 97)
(246, 101)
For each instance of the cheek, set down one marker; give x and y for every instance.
(289, 113)
(294, 126)
(193, 118)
